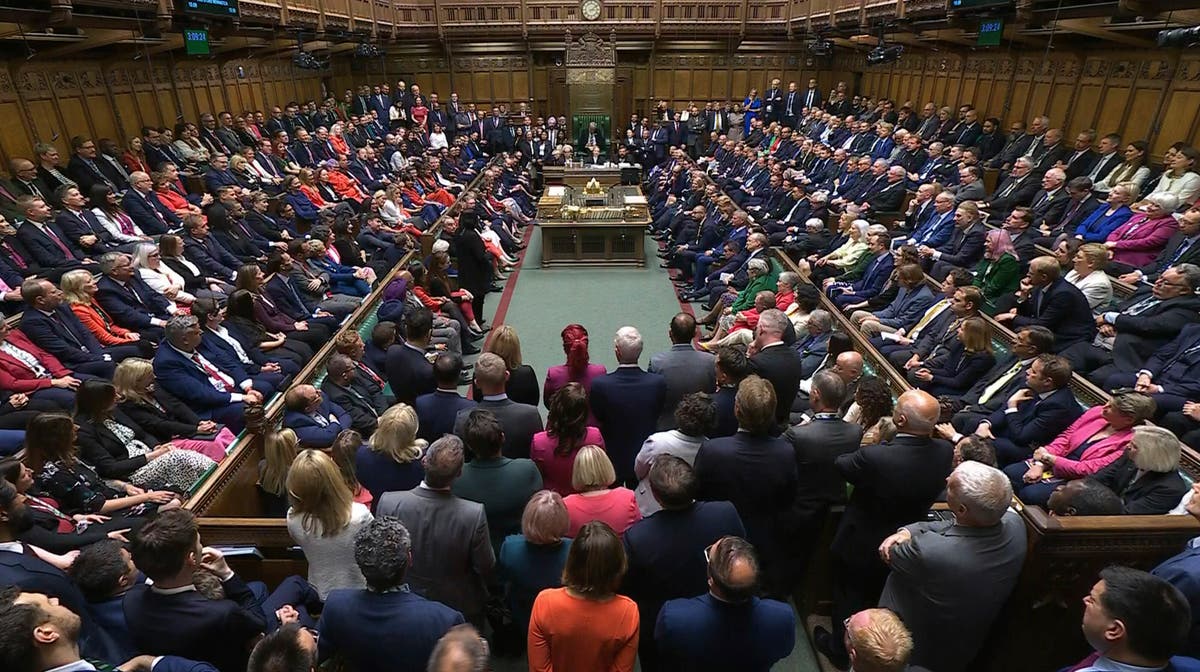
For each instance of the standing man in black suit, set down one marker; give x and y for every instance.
(772, 359)
(474, 263)
(437, 410)
(1048, 300)
(408, 371)
(627, 402)
(817, 443)
(894, 483)
(666, 550)
(520, 421)
(756, 471)
(772, 102)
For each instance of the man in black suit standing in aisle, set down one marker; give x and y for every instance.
(437, 410)
(772, 359)
(817, 444)
(666, 550)
(520, 421)
(627, 402)
(894, 483)
(773, 102)
(408, 371)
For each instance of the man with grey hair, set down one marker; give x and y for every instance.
(346, 388)
(520, 421)
(895, 483)
(1150, 319)
(355, 621)
(128, 300)
(950, 579)
(453, 552)
(773, 360)
(181, 370)
(627, 403)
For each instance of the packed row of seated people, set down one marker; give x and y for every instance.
(716, 217)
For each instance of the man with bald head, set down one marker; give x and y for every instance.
(24, 181)
(728, 628)
(895, 483)
(685, 368)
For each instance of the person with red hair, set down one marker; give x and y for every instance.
(577, 369)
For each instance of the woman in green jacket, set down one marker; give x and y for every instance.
(998, 273)
(761, 279)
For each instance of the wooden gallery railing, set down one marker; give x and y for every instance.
(1039, 628)
(227, 503)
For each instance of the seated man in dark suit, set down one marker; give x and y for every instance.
(520, 421)
(224, 350)
(282, 290)
(48, 246)
(172, 618)
(383, 336)
(355, 621)
(54, 328)
(1017, 189)
(666, 550)
(627, 403)
(186, 373)
(437, 411)
(894, 483)
(408, 370)
(1171, 375)
(205, 252)
(1006, 378)
(345, 386)
(1140, 325)
(1032, 416)
(129, 300)
(963, 250)
(316, 420)
(80, 224)
(104, 571)
(145, 209)
(729, 628)
(1048, 300)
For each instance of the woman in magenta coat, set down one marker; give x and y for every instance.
(1138, 241)
(576, 370)
(1091, 443)
(567, 430)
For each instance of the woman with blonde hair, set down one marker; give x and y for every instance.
(969, 359)
(1146, 477)
(280, 449)
(79, 290)
(522, 386)
(533, 561)
(163, 415)
(1087, 273)
(391, 460)
(323, 520)
(161, 278)
(596, 499)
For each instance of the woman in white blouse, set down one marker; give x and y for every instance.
(1087, 274)
(437, 139)
(1132, 172)
(1180, 177)
(323, 520)
(187, 144)
(392, 209)
(160, 277)
(107, 209)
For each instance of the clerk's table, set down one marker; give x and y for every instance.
(593, 226)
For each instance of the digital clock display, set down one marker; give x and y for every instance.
(218, 8)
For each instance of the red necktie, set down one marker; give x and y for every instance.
(59, 243)
(15, 257)
(212, 373)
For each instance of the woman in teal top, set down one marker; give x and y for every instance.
(998, 273)
(533, 561)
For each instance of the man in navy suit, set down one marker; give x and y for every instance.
(291, 302)
(355, 621)
(438, 410)
(54, 328)
(873, 278)
(227, 353)
(316, 420)
(346, 388)
(145, 209)
(627, 402)
(1052, 302)
(963, 250)
(219, 175)
(894, 483)
(206, 252)
(729, 628)
(186, 373)
(1033, 415)
(80, 224)
(408, 371)
(666, 550)
(129, 300)
(1171, 375)
(104, 572)
(49, 246)
(171, 618)
(772, 359)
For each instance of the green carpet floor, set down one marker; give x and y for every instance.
(602, 299)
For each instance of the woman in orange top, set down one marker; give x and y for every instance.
(171, 198)
(338, 141)
(134, 158)
(79, 289)
(585, 626)
(308, 187)
(344, 185)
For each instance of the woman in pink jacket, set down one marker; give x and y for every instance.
(1138, 241)
(1097, 438)
(578, 368)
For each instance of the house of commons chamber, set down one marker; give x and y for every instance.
(896, 310)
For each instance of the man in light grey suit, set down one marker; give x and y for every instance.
(452, 552)
(686, 369)
(949, 580)
(520, 421)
